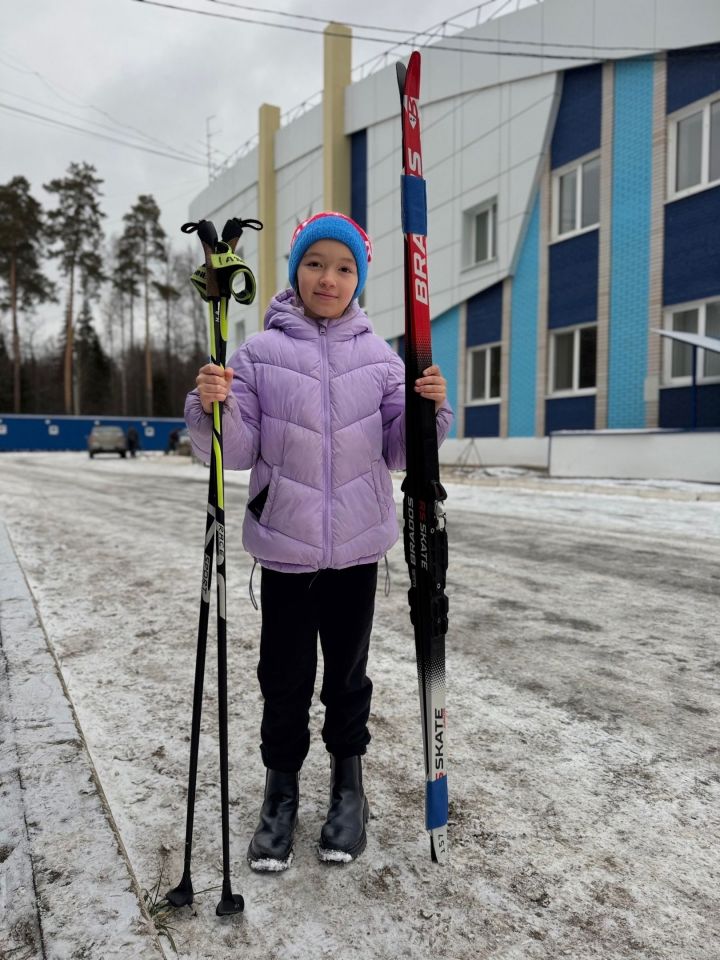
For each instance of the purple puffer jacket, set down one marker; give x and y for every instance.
(317, 409)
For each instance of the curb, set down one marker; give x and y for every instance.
(66, 885)
(609, 488)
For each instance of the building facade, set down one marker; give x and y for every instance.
(572, 158)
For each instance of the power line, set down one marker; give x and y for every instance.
(377, 28)
(102, 136)
(359, 26)
(76, 102)
(430, 33)
(40, 103)
(329, 33)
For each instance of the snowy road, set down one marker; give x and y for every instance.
(583, 669)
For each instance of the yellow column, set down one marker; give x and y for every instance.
(336, 146)
(268, 124)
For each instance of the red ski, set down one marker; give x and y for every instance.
(426, 550)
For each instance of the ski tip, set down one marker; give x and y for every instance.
(413, 70)
(401, 70)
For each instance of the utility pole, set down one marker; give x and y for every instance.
(208, 135)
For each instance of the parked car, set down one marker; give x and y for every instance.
(107, 440)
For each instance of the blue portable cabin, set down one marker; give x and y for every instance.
(39, 432)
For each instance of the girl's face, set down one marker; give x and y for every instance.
(327, 278)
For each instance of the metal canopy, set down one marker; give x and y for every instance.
(694, 339)
(697, 342)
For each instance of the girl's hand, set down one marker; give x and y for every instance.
(432, 385)
(213, 383)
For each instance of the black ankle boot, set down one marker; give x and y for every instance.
(271, 846)
(342, 837)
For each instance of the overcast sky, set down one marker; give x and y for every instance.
(164, 73)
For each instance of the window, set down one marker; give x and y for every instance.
(573, 356)
(703, 319)
(694, 145)
(484, 374)
(480, 229)
(576, 198)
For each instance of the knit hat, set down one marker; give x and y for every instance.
(331, 226)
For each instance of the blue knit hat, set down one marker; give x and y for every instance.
(331, 226)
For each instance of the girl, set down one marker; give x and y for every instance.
(315, 405)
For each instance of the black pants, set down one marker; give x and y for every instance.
(339, 605)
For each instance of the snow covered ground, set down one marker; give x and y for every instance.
(583, 695)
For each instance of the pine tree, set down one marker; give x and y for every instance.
(75, 226)
(94, 368)
(143, 228)
(22, 282)
(5, 376)
(124, 276)
(169, 294)
(190, 308)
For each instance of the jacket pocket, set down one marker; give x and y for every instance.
(257, 504)
(381, 482)
(261, 505)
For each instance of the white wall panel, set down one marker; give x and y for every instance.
(296, 139)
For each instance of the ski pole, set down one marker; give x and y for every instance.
(183, 894)
(218, 258)
(229, 902)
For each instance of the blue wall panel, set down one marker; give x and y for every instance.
(573, 290)
(523, 332)
(676, 409)
(445, 354)
(692, 73)
(71, 433)
(358, 177)
(692, 247)
(484, 317)
(570, 413)
(630, 243)
(577, 127)
(483, 421)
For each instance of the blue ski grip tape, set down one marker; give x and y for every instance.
(436, 803)
(414, 205)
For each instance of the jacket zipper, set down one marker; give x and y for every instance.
(326, 445)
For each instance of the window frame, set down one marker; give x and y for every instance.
(557, 175)
(470, 233)
(487, 400)
(705, 106)
(575, 390)
(667, 381)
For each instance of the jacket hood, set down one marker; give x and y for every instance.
(285, 314)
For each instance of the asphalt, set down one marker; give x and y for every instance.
(66, 886)
(67, 889)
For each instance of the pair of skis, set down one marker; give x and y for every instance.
(222, 275)
(425, 538)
